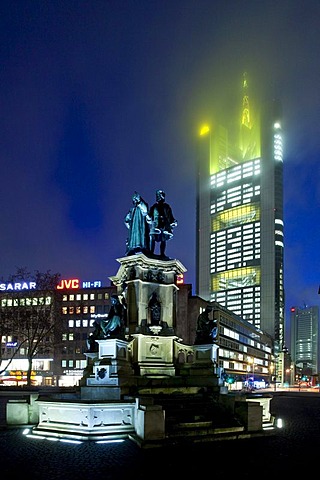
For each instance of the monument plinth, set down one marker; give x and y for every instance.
(111, 371)
(140, 279)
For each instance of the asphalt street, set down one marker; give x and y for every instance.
(292, 449)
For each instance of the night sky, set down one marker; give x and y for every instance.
(102, 98)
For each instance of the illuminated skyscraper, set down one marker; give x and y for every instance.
(304, 326)
(240, 216)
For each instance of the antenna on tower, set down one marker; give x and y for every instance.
(245, 119)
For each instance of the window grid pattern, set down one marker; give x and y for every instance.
(235, 248)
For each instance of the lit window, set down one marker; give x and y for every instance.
(71, 310)
(92, 309)
(80, 364)
(64, 310)
(71, 298)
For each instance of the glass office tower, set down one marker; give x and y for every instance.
(304, 326)
(240, 216)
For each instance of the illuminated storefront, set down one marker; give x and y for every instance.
(77, 303)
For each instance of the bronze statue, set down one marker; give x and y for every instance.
(97, 334)
(154, 307)
(162, 223)
(136, 222)
(114, 326)
(206, 328)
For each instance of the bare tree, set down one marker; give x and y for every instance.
(7, 327)
(29, 316)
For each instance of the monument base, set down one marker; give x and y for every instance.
(84, 421)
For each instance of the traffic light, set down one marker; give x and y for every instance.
(230, 379)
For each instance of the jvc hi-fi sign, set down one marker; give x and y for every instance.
(75, 283)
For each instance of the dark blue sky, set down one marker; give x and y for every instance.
(101, 98)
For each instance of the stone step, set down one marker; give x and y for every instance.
(202, 428)
(196, 408)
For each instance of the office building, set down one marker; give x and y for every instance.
(27, 319)
(80, 305)
(304, 326)
(240, 245)
(72, 309)
(244, 352)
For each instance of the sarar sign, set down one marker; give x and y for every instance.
(17, 286)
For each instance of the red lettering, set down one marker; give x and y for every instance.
(67, 284)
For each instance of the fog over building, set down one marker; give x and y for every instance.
(240, 244)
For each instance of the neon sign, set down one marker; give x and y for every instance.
(17, 286)
(99, 315)
(74, 283)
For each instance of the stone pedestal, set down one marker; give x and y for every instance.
(142, 277)
(111, 371)
(206, 354)
(250, 415)
(153, 355)
(149, 421)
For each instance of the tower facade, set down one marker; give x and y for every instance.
(240, 216)
(304, 326)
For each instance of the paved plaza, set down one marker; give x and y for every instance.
(291, 449)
